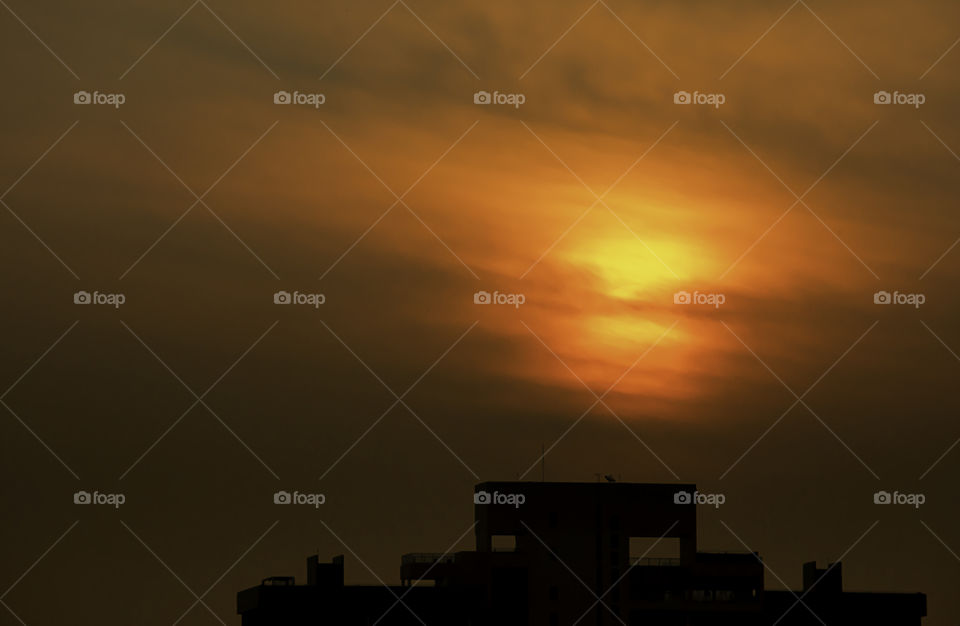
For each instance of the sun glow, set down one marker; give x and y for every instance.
(630, 269)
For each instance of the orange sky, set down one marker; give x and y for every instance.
(693, 198)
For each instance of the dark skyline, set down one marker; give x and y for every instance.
(569, 553)
(217, 285)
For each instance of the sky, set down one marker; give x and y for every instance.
(680, 291)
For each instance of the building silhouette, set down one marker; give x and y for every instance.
(590, 554)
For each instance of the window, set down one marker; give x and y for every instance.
(655, 551)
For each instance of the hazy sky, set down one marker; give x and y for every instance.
(598, 200)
